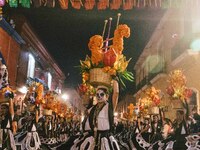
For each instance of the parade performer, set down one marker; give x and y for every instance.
(99, 121)
(6, 109)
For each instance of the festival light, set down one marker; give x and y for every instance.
(116, 114)
(23, 90)
(195, 45)
(65, 97)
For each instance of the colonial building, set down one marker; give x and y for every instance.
(26, 57)
(169, 48)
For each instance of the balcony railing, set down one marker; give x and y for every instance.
(146, 80)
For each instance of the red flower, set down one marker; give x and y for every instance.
(188, 93)
(170, 90)
(109, 58)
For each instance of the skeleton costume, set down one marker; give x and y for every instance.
(98, 125)
(29, 138)
(8, 142)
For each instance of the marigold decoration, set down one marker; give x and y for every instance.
(39, 90)
(153, 95)
(35, 93)
(177, 86)
(86, 89)
(95, 45)
(50, 99)
(63, 4)
(62, 110)
(131, 108)
(109, 58)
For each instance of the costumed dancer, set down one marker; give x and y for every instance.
(99, 121)
(28, 137)
(6, 109)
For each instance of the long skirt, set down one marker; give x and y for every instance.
(88, 141)
(7, 138)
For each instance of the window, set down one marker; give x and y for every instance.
(31, 66)
(49, 80)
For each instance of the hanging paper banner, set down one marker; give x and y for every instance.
(37, 3)
(128, 4)
(25, 3)
(13, 3)
(89, 4)
(50, 3)
(102, 4)
(115, 4)
(76, 4)
(2, 3)
(63, 4)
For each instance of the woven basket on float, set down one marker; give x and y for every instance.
(47, 112)
(153, 110)
(99, 77)
(177, 104)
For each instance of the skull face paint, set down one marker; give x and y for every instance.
(101, 95)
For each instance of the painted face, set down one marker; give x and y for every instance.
(101, 95)
(4, 109)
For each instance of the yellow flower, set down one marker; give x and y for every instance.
(86, 63)
(121, 64)
(85, 76)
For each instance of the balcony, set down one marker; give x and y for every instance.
(151, 76)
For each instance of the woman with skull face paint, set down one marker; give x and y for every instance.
(7, 115)
(99, 121)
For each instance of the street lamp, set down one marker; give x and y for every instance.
(65, 97)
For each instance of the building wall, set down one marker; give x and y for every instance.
(174, 26)
(10, 50)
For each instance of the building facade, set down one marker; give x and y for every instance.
(26, 57)
(169, 48)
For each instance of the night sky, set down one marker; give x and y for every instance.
(65, 33)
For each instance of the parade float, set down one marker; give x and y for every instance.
(102, 72)
(107, 61)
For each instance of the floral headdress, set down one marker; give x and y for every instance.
(107, 57)
(177, 86)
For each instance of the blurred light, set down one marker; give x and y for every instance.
(154, 63)
(195, 45)
(116, 114)
(65, 97)
(82, 118)
(174, 35)
(23, 90)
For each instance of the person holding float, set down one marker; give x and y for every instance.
(101, 76)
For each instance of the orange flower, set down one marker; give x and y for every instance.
(112, 71)
(106, 69)
(85, 77)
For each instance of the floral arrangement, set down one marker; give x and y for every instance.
(107, 57)
(177, 86)
(153, 96)
(35, 93)
(50, 99)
